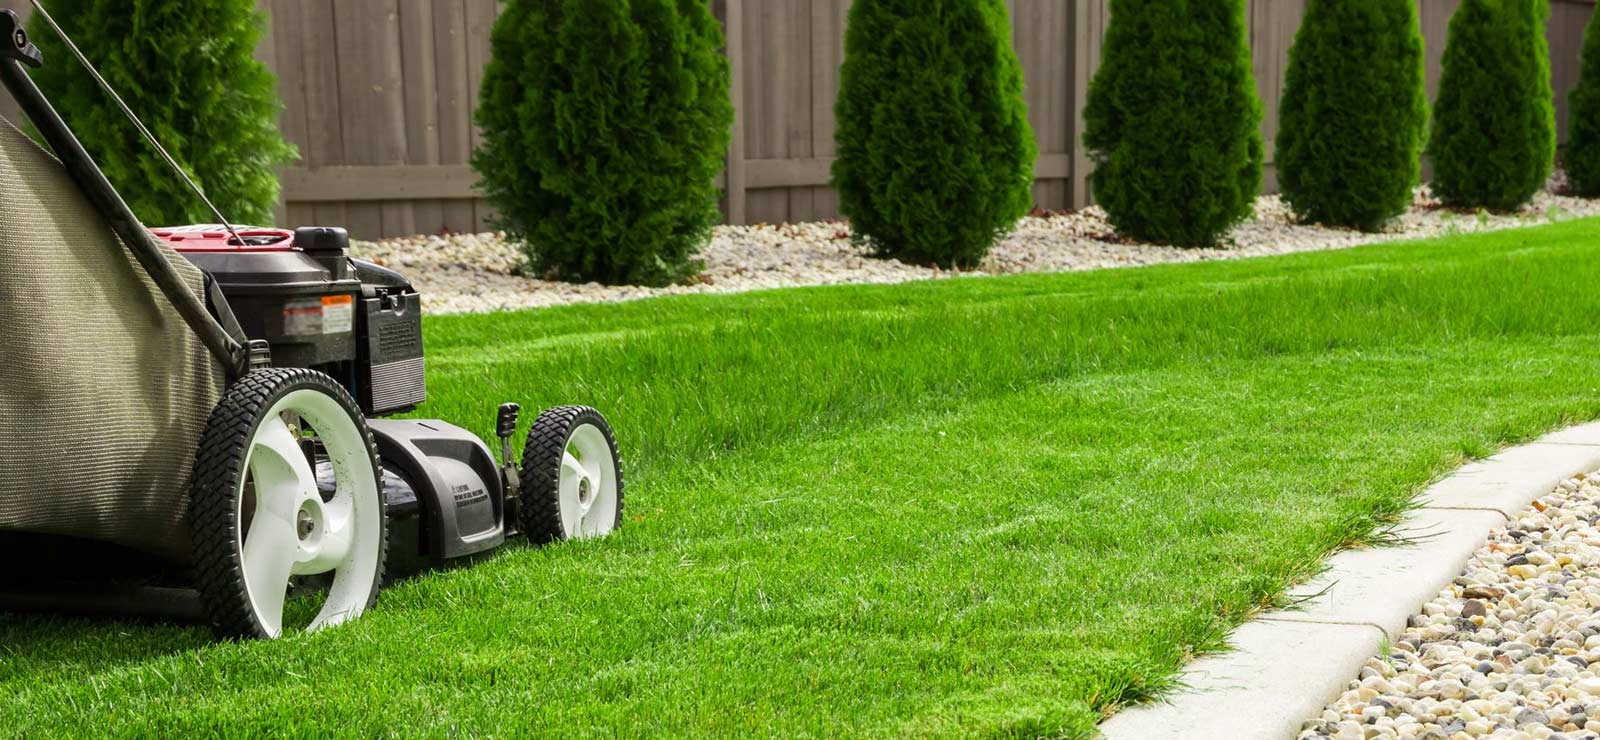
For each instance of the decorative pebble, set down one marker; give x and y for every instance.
(464, 273)
(1505, 651)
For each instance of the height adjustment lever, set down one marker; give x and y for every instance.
(510, 477)
(506, 425)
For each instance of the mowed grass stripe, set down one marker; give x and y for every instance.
(690, 377)
(979, 507)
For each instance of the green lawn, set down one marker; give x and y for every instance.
(984, 507)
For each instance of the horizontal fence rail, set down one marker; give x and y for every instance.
(379, 94)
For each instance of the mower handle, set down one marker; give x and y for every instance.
(15, 51)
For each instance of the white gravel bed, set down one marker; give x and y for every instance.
(1510, 650)
(483, 272)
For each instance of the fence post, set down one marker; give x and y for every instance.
(1082, 62)
(734, 181)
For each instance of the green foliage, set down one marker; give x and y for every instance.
(935, 154)
(188, 70)
(1354, 114)
(1494, 128)
(605, 123)
(1173, 121)
(1583, 141)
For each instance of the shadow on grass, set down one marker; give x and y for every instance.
(33, 646)
(40, 646)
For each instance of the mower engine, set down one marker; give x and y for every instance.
(361, 324)
(319, 309)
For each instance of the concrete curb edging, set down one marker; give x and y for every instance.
(1287, 665)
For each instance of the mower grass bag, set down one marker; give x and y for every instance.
(104, 392)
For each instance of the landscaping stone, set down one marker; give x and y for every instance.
(1504, 651)
(483, 272)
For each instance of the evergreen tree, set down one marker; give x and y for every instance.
(1494, 134)
(605, 123)
(1583, 140)
(188, 70)
(1354, 113)
(1173, 121)
(935, 153)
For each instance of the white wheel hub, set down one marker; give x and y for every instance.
(588, 484)
(290, 529)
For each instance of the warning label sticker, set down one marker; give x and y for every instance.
(302, 318)
(334, 314)
(338, 314)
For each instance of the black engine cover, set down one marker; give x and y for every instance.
(358, 322)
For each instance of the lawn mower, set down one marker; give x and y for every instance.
(201, 421)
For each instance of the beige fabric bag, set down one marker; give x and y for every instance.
(104, 390)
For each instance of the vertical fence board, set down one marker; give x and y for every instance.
(1040, 30)
(420, 66)
(480, 19)
(731, 13)
(267, 54)
(371, 85)
(455, 111)
(798, 104)
(827, 54)
(288, 52)
(766, 55)
(1055, 34)
(321, 102)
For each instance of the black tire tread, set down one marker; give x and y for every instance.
(541, 469)
(219, 464)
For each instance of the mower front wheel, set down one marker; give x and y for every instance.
(259, 515)
(571, 476)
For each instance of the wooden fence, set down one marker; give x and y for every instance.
(379, 97)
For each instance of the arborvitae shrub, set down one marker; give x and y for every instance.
(188, 70)
(1583, 136)
(605, 123)
(1354, 114)
(935, 154)
(1173, 121)
(1494, 135)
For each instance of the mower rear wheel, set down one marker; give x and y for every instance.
(259, 517)
(571, 476)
